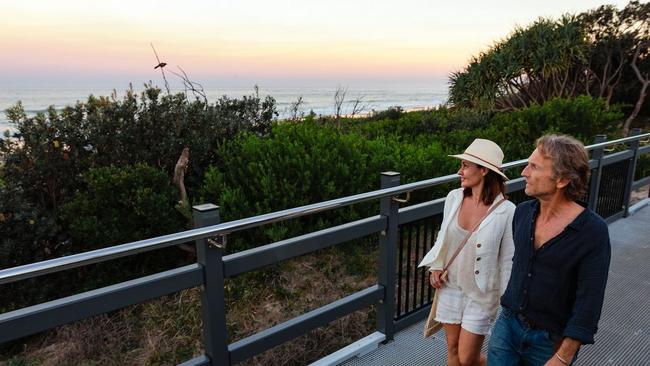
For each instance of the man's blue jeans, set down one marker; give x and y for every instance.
(513, 343)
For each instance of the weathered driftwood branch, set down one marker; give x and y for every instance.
(179, 175)
(179, 181)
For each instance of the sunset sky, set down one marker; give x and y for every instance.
(81, 43)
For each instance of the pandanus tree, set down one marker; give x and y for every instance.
(602, 53)
(533, 65)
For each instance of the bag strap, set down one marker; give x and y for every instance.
(469, 234)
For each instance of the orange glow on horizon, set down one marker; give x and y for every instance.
(314, 39)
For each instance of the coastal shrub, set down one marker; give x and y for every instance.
(582, 117)
(45, 161)
(305, 163)
(122, 204)
(393, 113)
(419, 126)
(115, 206)
(26, 231)
(51, 150)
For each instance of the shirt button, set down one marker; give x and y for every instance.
(530, 274)
(475, 272)
(478, 245)
(478, 259)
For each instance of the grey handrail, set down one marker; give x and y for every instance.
(118, 251)
(100, 255)
(615, 142)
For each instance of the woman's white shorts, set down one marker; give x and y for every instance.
(455, 307)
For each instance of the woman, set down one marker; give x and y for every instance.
(469, 295)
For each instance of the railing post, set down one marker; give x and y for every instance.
(634, 146)
(594, 184)
(387, 254)
(213, 304)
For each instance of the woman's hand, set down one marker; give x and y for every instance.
(435, 280)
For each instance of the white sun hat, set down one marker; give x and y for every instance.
(484, 153)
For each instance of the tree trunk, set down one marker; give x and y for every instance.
(637, 107)
(645, 81)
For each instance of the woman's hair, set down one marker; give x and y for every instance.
(569, 160)
(493, 184)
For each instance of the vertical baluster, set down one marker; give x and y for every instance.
(408, 269)
(416, 271)
(611, 193)
(605, 188)
(400, 277)
(432, 238)
(423, 283)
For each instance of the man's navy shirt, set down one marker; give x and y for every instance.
(560, 286)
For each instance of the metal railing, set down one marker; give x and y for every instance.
(402, 294)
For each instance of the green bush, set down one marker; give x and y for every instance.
(393, 113)
(26, 231)
(44, 163)
(56, 147)
(306, 163)
(122, 205)
(582, 117)
(419, 125)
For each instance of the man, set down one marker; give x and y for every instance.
(555, 294)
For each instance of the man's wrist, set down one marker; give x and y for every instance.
(561, 359)
(567, 350)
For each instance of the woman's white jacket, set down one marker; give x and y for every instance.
(492, 240)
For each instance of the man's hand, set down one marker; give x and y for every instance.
(435, 280)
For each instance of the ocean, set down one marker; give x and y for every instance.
(320, 99)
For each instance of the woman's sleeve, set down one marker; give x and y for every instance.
(439, 262)
(506, 251)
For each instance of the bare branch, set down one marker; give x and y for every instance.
(196, 88)
(339, 98)
(295, 109)
(357, 107)
(161, 65)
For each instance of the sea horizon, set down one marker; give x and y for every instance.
(318, 97)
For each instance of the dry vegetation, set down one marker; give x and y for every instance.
(167, 331)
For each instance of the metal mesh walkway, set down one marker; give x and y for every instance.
(624, 334)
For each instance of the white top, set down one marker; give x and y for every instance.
(461, 272)
(492, 242)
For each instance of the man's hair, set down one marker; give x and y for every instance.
(569, 161)
(493, 184)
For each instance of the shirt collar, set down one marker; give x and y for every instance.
(578, 222)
